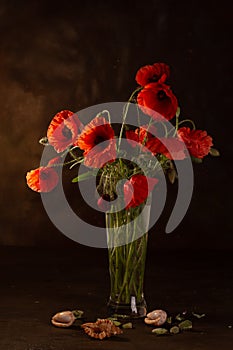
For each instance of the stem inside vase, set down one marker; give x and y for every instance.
(127, 261)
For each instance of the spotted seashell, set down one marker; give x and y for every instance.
(63, 319)
(101, 329)
(156, 317)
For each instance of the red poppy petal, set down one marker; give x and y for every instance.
(103, 204)
(128, 194)
(132, 136)
(174, 148)
(63, 130)
(197, 141)
(55, 161)
(151, 183)
(98, 157)
(152, 73)
(141, 187)
(43, 179)
(95, 132)
(158, 101)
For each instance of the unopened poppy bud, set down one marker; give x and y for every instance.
(103, 203)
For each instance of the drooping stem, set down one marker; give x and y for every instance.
(188, 121)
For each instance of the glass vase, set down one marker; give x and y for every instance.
(127, 233)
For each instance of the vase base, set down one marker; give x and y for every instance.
(127, 311)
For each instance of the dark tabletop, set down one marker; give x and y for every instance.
(37, 282)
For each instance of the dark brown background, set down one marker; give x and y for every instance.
(73, 54)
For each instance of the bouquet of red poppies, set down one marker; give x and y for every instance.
(129, 151)
(159, 139)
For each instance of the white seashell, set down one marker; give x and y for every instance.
(156, 317)
(63, 319)
(149, 321)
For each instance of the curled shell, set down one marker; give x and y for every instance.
(63, 319)
(101, 329)
(149, 321)
(156, 317)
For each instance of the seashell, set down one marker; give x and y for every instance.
(156, 317)
(149, 321)
(63, 319)
(102, 328)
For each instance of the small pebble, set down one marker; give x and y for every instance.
(159, 331)
(174, 330)
(127, 325)
(185, 325)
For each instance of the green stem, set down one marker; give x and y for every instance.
(139, 267)
(125, 111)
(189, 121)
(103, 112)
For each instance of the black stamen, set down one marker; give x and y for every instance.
(161, 95)
(67, 133)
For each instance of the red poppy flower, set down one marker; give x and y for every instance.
(197, 141)
(63, 130)
(138, 188)
(172, 148)
(152, 73)
(141, 135)
(43, 179)
(158, 100)
(55, 161)
(97, 153)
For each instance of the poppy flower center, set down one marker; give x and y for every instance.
(99, 139)
(161, 95)
(66, 132)
(154, 78)
(44, 176)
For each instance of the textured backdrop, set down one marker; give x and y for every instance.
(70, 55)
